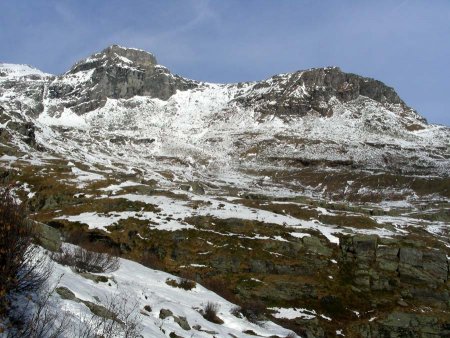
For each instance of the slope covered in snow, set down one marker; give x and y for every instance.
(9, 71)
(145, 297)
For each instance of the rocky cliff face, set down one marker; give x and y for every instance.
(319, 91)
(115, 72)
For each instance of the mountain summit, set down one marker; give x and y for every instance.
(116, 55)
(116, 72)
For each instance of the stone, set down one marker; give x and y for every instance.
(164, 313)
(314, 244)
(112, 78)
(182, 322)
(100, 310)
(365, 246)
(401, 302)
(197, 188)
(387, 258)
(435, 263)
(312, 327)
(400, 324)
(259, 266)
(411, 256)
(174, 335)
(49, 237)
(65, 293)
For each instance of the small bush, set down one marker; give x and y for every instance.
(182, 283)
(236, 311)
(87, 261)
(186, 284)
(210, 313)
(35, 317)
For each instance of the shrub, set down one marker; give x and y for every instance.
(187, 284)
(21, 267)
(151, 260)
(87, 261)
(236, 311)
(210, 313)
(182, 283)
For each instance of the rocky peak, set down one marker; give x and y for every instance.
(116, 56)
(322, 91)
(115, 72)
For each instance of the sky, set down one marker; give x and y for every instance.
(403, 43)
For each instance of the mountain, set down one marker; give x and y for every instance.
(322, 185)
(314, 117)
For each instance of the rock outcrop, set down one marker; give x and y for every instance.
(116, 72)
(320, 91)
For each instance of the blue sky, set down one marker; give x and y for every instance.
(405, 44)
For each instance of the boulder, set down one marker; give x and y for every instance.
(164, 313)
(182, 322)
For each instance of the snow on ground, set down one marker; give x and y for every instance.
(83, 177)
(115, 188)
(102, 221)
(15, 71)
(172, 213)
(145, 286)
(292, 313)
(66, 119)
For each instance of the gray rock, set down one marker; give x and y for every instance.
(259, 266)
(411, 256)
(435, 263)
(164, 313)
(365, 246)
(322, 84)
(226, 264)
(65, 293)
(182, 321)
(314, 244)
(387, 258)
(117, 72)
(49, 238)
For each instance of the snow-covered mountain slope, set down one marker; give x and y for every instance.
(9, 71)
(127, 104)
(144, 295)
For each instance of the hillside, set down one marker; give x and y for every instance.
(317, 190)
